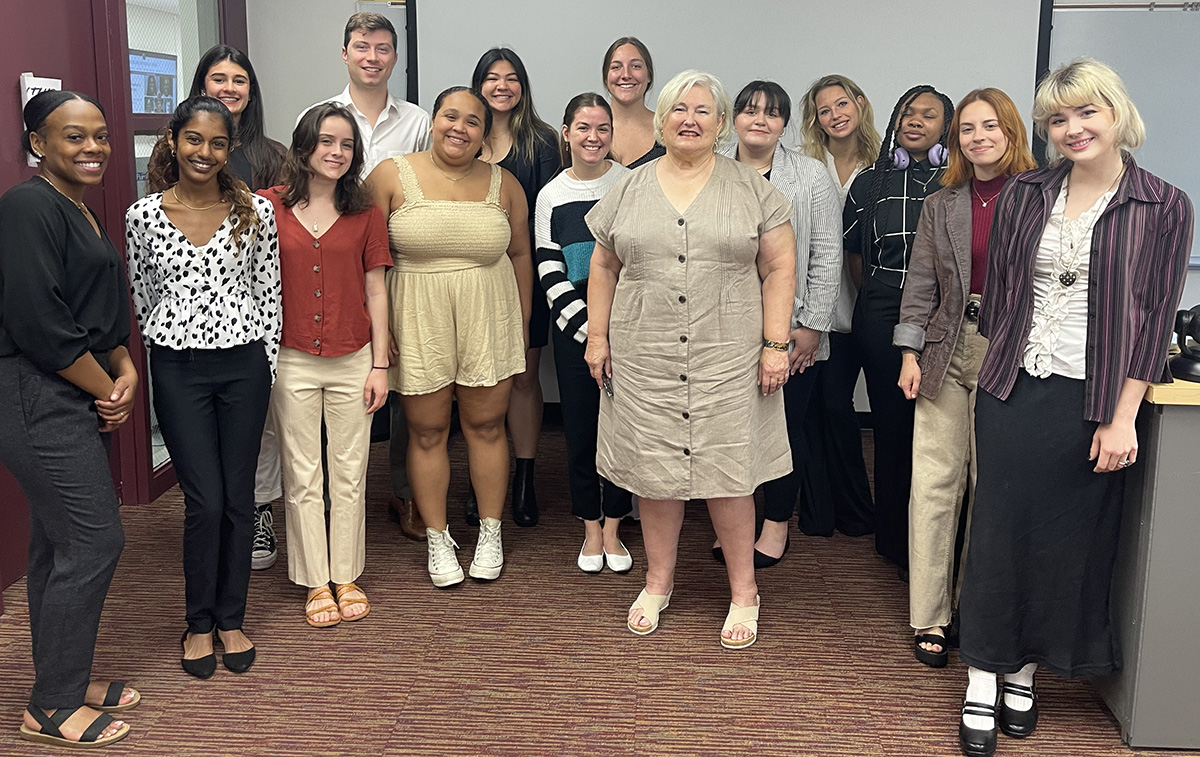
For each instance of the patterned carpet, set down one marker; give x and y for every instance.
(539, 662)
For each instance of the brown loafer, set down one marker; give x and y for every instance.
(405, 512)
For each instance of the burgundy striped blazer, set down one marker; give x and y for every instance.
(1140, 249)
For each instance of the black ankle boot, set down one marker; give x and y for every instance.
(524, 501)
(471, 509)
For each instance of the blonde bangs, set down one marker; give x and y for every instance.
(1084, 81)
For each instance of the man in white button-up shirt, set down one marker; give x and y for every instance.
(389, 126)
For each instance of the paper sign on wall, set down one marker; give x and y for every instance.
(35, 85)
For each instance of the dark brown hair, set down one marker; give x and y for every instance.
(349, 197)
(578, 103)
(367, 22)
(612, 50)
(527, 128)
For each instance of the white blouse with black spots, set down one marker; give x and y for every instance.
(205, 297)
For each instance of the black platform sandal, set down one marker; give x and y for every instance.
(928, 656)
(1016, 723)
(50, 733)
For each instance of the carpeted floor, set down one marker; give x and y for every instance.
(539, 662)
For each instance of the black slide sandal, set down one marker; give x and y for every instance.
(929, 657)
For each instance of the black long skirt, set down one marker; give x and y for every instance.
(1044, 535)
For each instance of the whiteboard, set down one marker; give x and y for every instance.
(885, 46)
(1157, 53)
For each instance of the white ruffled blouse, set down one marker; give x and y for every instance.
(209, 297)
(1057, 341)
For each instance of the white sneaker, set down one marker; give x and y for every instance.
(489, 551)
(444, 569)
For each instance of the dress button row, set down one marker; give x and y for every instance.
(680, 221)
(316, 269)
(682, 258)
(317, 317)
(683, 338)
(317, 293)
(686, 415)
(316, 244)
(316, 342)
(683, 377)
(687, 451)
(682, 299)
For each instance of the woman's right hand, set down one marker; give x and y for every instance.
(598, 358)
(910, 376)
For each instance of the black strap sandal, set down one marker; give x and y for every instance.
(112, 698)
(51, 734)
(929, 657)
(1018, 723)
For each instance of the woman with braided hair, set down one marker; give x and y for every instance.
(880, 218)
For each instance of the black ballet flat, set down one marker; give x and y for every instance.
(976, 742)
(719, 555)
(201, 667)
(763, 560)
(238, 662)
(1015, 723)
(928, 656)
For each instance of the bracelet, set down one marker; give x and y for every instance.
(379, 367)
(780, 346)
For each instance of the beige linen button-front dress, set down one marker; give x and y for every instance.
(687, 419)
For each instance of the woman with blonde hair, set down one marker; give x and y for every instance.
(1086, 264)
(690, 294)
(838, 128)
(938, 333)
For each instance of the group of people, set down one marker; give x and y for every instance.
(711, 295)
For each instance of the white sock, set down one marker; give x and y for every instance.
(981, 689)
(1023, 677)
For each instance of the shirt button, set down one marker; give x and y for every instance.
(316, 342)
(316, 244)
(317, 317)
(316, 269)
(682, 258)
(317, 293)
(686, 415)
(683, 338)
(682, 298)
(683, 377)
(687, 451)
(680, 221)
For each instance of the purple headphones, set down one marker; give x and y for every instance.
(901, 159)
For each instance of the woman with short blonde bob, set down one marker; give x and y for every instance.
(1086, 263)
(689, 296)
(938, 332)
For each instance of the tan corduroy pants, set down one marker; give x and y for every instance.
(943, 465)
(307, 389)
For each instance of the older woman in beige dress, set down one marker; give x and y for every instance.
(689, 295)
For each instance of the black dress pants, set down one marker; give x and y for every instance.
(591, 494)
(835, 492)
(875, 316)
(52, 445)
(779, 496)
(211, 407)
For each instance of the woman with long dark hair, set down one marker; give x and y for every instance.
(68, 381)
(204, 270)
(1086, 264)
(524, 145)
(333, 357)
(880, 218)
(938, 333)
(225, 73)
(564, 254)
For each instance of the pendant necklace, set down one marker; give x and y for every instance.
(1070, 260)
(985, 202)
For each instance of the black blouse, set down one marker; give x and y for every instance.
(536, 174)
(657, 151)
(62, 288)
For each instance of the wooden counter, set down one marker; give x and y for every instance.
(1176, 393)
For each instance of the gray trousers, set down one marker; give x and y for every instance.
(398, 448)
(51, 444)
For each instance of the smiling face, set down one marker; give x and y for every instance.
(229, 83)
(980, 137)
(693, 123)
(458, 128)
(370, 57)
(201, 148)
(589, 135)
(919, 127)
(758, 125)
(335, 149)
(627, 78)
(73, 143)
(501, 87)
(837, 113)
(1083, 134)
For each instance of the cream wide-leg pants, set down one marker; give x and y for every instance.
(310, 388)
(943, 464)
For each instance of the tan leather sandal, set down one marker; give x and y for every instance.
(342, 590)
(324, 596)
(650, 605)
(747, 617)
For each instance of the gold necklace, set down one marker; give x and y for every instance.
(451, 179)
(192, 207)
(82, 208)
(985, 202)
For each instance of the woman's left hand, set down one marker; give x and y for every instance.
(375, 390)
(1112, 444)
(115, 410)
(772, 370)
